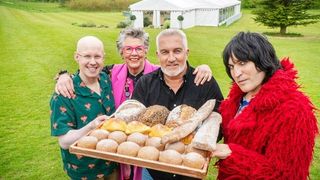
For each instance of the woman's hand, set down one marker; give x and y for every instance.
(222, 151)
(203, 73)
(64, 86)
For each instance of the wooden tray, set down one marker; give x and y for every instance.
(176, 169)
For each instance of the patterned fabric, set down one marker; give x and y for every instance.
(243, 104)
(68, 114)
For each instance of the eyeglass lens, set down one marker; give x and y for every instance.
(129, 49)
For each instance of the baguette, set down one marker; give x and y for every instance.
(207, 134)
(190, 125)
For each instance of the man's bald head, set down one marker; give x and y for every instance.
(89, 43)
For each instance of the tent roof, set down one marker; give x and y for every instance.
(181, 4)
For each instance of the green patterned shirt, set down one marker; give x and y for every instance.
(68, 114)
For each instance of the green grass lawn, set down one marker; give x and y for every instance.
(36, 44)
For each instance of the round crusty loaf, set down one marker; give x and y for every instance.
(190, 148)
(130, 110)
(193, 160)
(149, 152)
(178, 146)
(100, 134)
(128, 148)
(137, 138)
(118, 136)
(155, 142)
(107, 145)
(154, 115)
(170, 156)
(179, 115)
(89, 142)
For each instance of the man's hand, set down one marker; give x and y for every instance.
(97, 121)
(64, 86)
(203, 74)
(222, 151)
(72, 136)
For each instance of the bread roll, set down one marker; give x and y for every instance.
(178, 146)
(118, 136)
(137, 138)
(149, 152)
(155, 142)
(171, 157)
(190, 148)
(193, 160)
(89, 142)
(107, 145)
(128, 148)
(100, 134)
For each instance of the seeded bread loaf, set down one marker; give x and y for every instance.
(153, 115)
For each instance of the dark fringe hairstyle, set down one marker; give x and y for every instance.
(247, 46)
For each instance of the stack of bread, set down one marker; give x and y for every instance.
(157, 134)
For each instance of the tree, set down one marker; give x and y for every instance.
(132, 19)
(180, 19)
(284, 13)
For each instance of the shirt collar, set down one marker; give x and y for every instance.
(83, 90)
(135, 78)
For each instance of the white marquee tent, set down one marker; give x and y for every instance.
(194, 12)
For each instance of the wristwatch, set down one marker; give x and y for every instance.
(59, 74)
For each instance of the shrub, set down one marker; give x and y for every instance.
(166, 24)
(180, 18)
(103, 26)
(248, 3)
(122, 24)
(133, 17)
(88, 24)
(146, 22)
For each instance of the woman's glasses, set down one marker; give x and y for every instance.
(130, 49)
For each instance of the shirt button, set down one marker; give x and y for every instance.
(174, 175)
(174, 105)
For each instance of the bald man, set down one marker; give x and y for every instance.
(73, 118)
